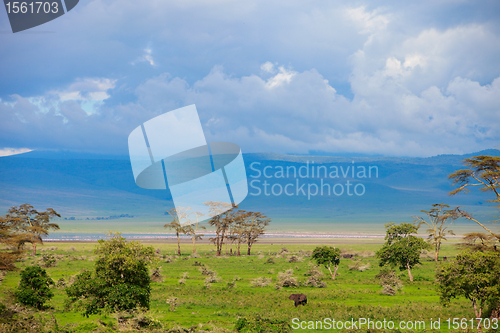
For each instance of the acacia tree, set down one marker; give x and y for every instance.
(327, 256)
(9, 253)
(474, 275)
(31, 224)
(402, 248)
(254, 225)
(193, 229)
(478, 241)
(484, 172)
(222, 217)
(177, 214)
(440, 220)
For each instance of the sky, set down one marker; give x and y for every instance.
(390, 78)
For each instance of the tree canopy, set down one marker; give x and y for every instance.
(31, 225)
(474, 275)
(402, 249)
(327, 256)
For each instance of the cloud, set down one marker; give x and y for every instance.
(289, 112)
(146, 57)
(288, 76)
(13, 151)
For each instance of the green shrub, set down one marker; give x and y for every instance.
(121, 279)
(259, 324)
(34, 287)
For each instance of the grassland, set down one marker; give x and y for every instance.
(354, 294)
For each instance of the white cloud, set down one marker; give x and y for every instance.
(382, 78)
(13, 151)
(146, 57)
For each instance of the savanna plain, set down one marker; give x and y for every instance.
(201, 291)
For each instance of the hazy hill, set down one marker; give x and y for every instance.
(95, 186)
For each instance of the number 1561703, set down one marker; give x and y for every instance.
(38, 7)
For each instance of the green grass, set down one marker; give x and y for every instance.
(353, 294)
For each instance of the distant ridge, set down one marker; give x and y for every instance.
(86, 185)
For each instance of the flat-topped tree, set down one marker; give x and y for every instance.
(222, 218)
(254, 226)
(31, 224)
(194, 229)
(482, 171)
(8, 257)
(178, 214)
(439, 220)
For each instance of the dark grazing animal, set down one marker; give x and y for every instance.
(299, 299)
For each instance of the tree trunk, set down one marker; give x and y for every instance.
(436, 253)
(194, 247)
(178, 244)
(249, 248)
(239, 249)
(334, 274)
(409, 272)
(478, 313)
(34, 249)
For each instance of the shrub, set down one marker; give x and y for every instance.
(120, 280)
(34, 287)
(389, 281)
(261, 281)
(270, 261)
(156, 275)
(294, 258)
(212, 278)
(286, 279)
(259, 324)
(359, 266)
(313, 281)
(61, 283)
(173, 301)
(48, 260)
(205, 271)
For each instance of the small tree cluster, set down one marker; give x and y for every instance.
(120, 280)
(473, 275)
(34, 287)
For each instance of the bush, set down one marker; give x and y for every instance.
(315, 276)
(270, 261)
(48, 260)
(359, 266)
(156, 275)
(259, 324)
(34, 287)
(261, 282)
(389, 281)
(286, 279)
(120, 280)
(294, 258)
